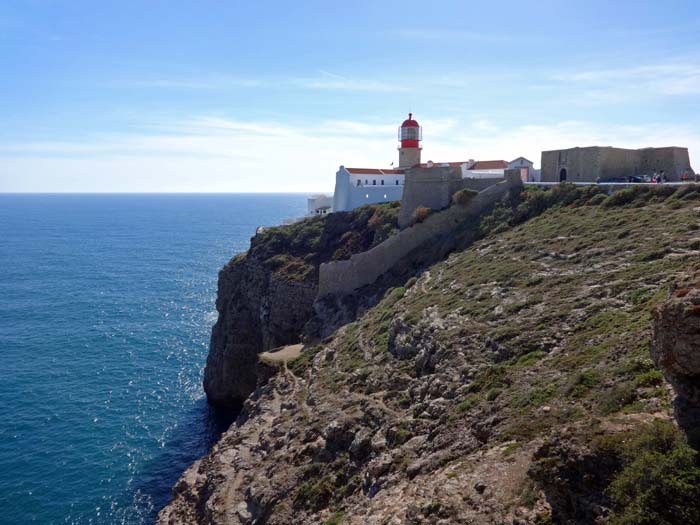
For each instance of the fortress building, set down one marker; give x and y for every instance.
(357, 186)
(596, 163)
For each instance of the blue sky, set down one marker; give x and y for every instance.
(274, 96)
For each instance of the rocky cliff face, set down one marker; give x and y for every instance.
(676, 348)
(510, 384)
(265, 296)
(258, 310)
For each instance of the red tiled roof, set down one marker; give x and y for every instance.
(480, 165)
(373, 171)
(490, 165)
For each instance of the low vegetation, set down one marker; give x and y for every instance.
(658, 481)
(296, 250)
(420, 214)
(538, 332)
(464, 197)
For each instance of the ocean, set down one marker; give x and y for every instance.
(106, 308)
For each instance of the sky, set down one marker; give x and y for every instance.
(262, 96)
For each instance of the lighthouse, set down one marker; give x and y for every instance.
(410, 136)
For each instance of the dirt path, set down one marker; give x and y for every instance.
(282, 355)
(426, 276)
(244, 460)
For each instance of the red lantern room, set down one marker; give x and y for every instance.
(410, 133)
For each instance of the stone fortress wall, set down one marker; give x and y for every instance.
(429, 187)
(434, 188)
(343, 277)
(592, 163)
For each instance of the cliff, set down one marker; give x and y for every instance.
(512, 382)
(265, 295)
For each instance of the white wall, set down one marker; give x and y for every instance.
(482, 174)
(349, 195)
(389, 179)
(317, 201)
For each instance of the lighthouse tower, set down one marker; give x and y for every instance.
(410, 135)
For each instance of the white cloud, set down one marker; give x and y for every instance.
(209, 153)
(665, 79)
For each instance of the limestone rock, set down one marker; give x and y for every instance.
(258, 311)
(676, 349)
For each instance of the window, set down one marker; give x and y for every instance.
(366, 181)
(397, 182)
(374, 182)
(359, 182)
(382, 182)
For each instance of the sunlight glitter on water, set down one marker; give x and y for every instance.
(105, 319)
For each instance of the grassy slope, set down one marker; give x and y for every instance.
(545, 325)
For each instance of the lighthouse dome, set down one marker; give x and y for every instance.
(409, 122)
(410, 133)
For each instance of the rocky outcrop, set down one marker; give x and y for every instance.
(676, 350)
(258, 310)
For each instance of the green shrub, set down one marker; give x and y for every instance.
(582, 383)
(544, 518)
(492, 394)
(618, 397)
(432, 508)
(660, 481)
(539, 396)
(650, 378)
(597, 199)
(624, 196)
(397, 293)
(640, 296)
(522, 204)
(467, 403)
(337, 518)
(315, 493)
(531, 358)
(684, 191)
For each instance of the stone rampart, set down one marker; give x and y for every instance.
(430, 187)
(343, 277)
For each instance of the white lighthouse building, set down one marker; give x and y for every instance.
(357, 186)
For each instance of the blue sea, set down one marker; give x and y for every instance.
(106, 308)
